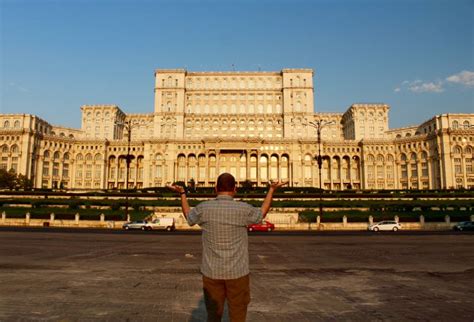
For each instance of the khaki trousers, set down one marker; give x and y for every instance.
(237, 293)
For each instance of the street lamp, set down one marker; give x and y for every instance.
(319, 125)
(128, 127)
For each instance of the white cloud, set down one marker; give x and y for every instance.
(420, 87)
(465, 78)
(18, 87)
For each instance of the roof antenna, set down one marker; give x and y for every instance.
(233, 67)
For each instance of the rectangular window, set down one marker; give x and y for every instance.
(79, 171)
(243, 173)
(97, 173)
(457, 166)
(424, 169)
(370, 172)
(212, 173)
(45, 169)
(404, 171)
(112, 173)
(158, 173)
(380, 174)
(55, 169)
(65, 170)
(414, 170)
(469, 166)
(88, 171)
(307, 172)
(389, 172)
(253, 173)
(284, 173)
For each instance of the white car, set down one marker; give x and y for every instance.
(161, 223)
(385, 225)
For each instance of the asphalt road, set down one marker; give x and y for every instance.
(102, 275)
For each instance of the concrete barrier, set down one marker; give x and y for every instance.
(282, 221)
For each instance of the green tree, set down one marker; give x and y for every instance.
(247, 185)
(7, 179)
(23, 182)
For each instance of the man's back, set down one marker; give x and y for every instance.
(224, 235)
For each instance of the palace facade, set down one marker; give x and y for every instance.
(255, 125)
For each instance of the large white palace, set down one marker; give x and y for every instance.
(255, 125)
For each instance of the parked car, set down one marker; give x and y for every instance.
(139, 224)
(263, 226)
(385, 225)
(464, 225)
(161, 223)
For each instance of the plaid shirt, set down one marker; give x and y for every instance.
(224, 235)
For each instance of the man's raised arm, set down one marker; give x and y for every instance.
(268, 199)
(184, 201)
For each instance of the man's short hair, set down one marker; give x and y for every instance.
(225, 183)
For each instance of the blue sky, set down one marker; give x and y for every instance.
(416, 56)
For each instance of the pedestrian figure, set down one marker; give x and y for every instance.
(225, 257)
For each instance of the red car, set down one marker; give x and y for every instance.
(263, 226)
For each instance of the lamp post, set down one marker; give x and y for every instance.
(319, 125)
(128, 127)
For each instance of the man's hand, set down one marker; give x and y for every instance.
(274, 185)
(175, 188)
(184, 201)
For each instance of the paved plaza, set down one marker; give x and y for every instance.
(53, 275)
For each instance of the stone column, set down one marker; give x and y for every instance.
(463, 168)
(4, 217)
(431, 176)
(206, 170)
(27, 219)
(77, 218)
(258, 168)
(247, 164)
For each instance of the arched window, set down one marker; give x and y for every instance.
(6, 124)
(5, 148)
(46, 154)
(455, 124)
(15, 148)
(457, 149)
(465, 125)
(98, 157)
(88, 157)
(16, 125)
(79, 157)
(56, 155)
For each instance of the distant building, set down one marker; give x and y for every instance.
(251, 124)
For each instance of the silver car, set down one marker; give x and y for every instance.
(139, 224)
(389, 225)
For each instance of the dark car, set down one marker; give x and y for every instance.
(140, 224)
(263, 226)
(464, 225)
